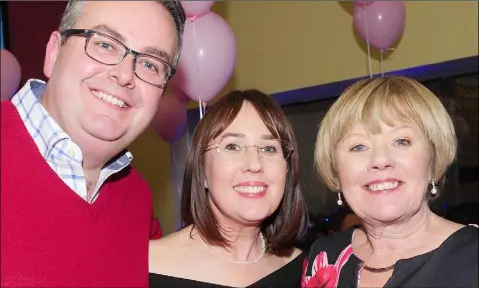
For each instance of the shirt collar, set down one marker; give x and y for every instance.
(46, 133)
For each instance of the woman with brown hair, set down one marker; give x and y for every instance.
(241, 202)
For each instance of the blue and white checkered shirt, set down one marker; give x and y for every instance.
(58, 149)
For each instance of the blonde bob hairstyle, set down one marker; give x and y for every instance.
(389, 99)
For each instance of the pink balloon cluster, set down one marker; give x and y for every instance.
(381, 23)
(197, 8)
(206, 64)
(208, 55)
(10, 75)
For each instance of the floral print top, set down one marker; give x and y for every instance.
(324, 274)
(331, 263)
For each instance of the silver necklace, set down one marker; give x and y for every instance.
(262, 252)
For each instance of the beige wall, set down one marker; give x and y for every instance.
(293, 44)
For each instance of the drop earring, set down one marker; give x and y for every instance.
(339, 201)
(434, 188)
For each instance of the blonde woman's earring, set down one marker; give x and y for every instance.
(339, 201)
(434, 188)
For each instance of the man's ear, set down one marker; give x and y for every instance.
(51, 53)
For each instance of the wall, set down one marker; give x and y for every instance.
(287, 45)
(30, 25)
(281, 46)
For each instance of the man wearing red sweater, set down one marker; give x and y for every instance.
(74, 213)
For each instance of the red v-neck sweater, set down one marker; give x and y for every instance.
(50, 237)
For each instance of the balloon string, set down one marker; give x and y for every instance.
(193, 18)
(381, 62)
(369, 60)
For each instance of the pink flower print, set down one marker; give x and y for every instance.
(322, 274)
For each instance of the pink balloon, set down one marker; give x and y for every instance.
(362, 3)
(208, 57)
(171, 118)
(385, 22)
(10, 75)
(197, 8)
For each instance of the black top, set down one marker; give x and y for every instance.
(453, 264)
(288, 276)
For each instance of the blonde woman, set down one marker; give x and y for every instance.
(384, 147)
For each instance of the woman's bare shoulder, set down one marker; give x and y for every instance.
(166, 251)
(296, 255)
